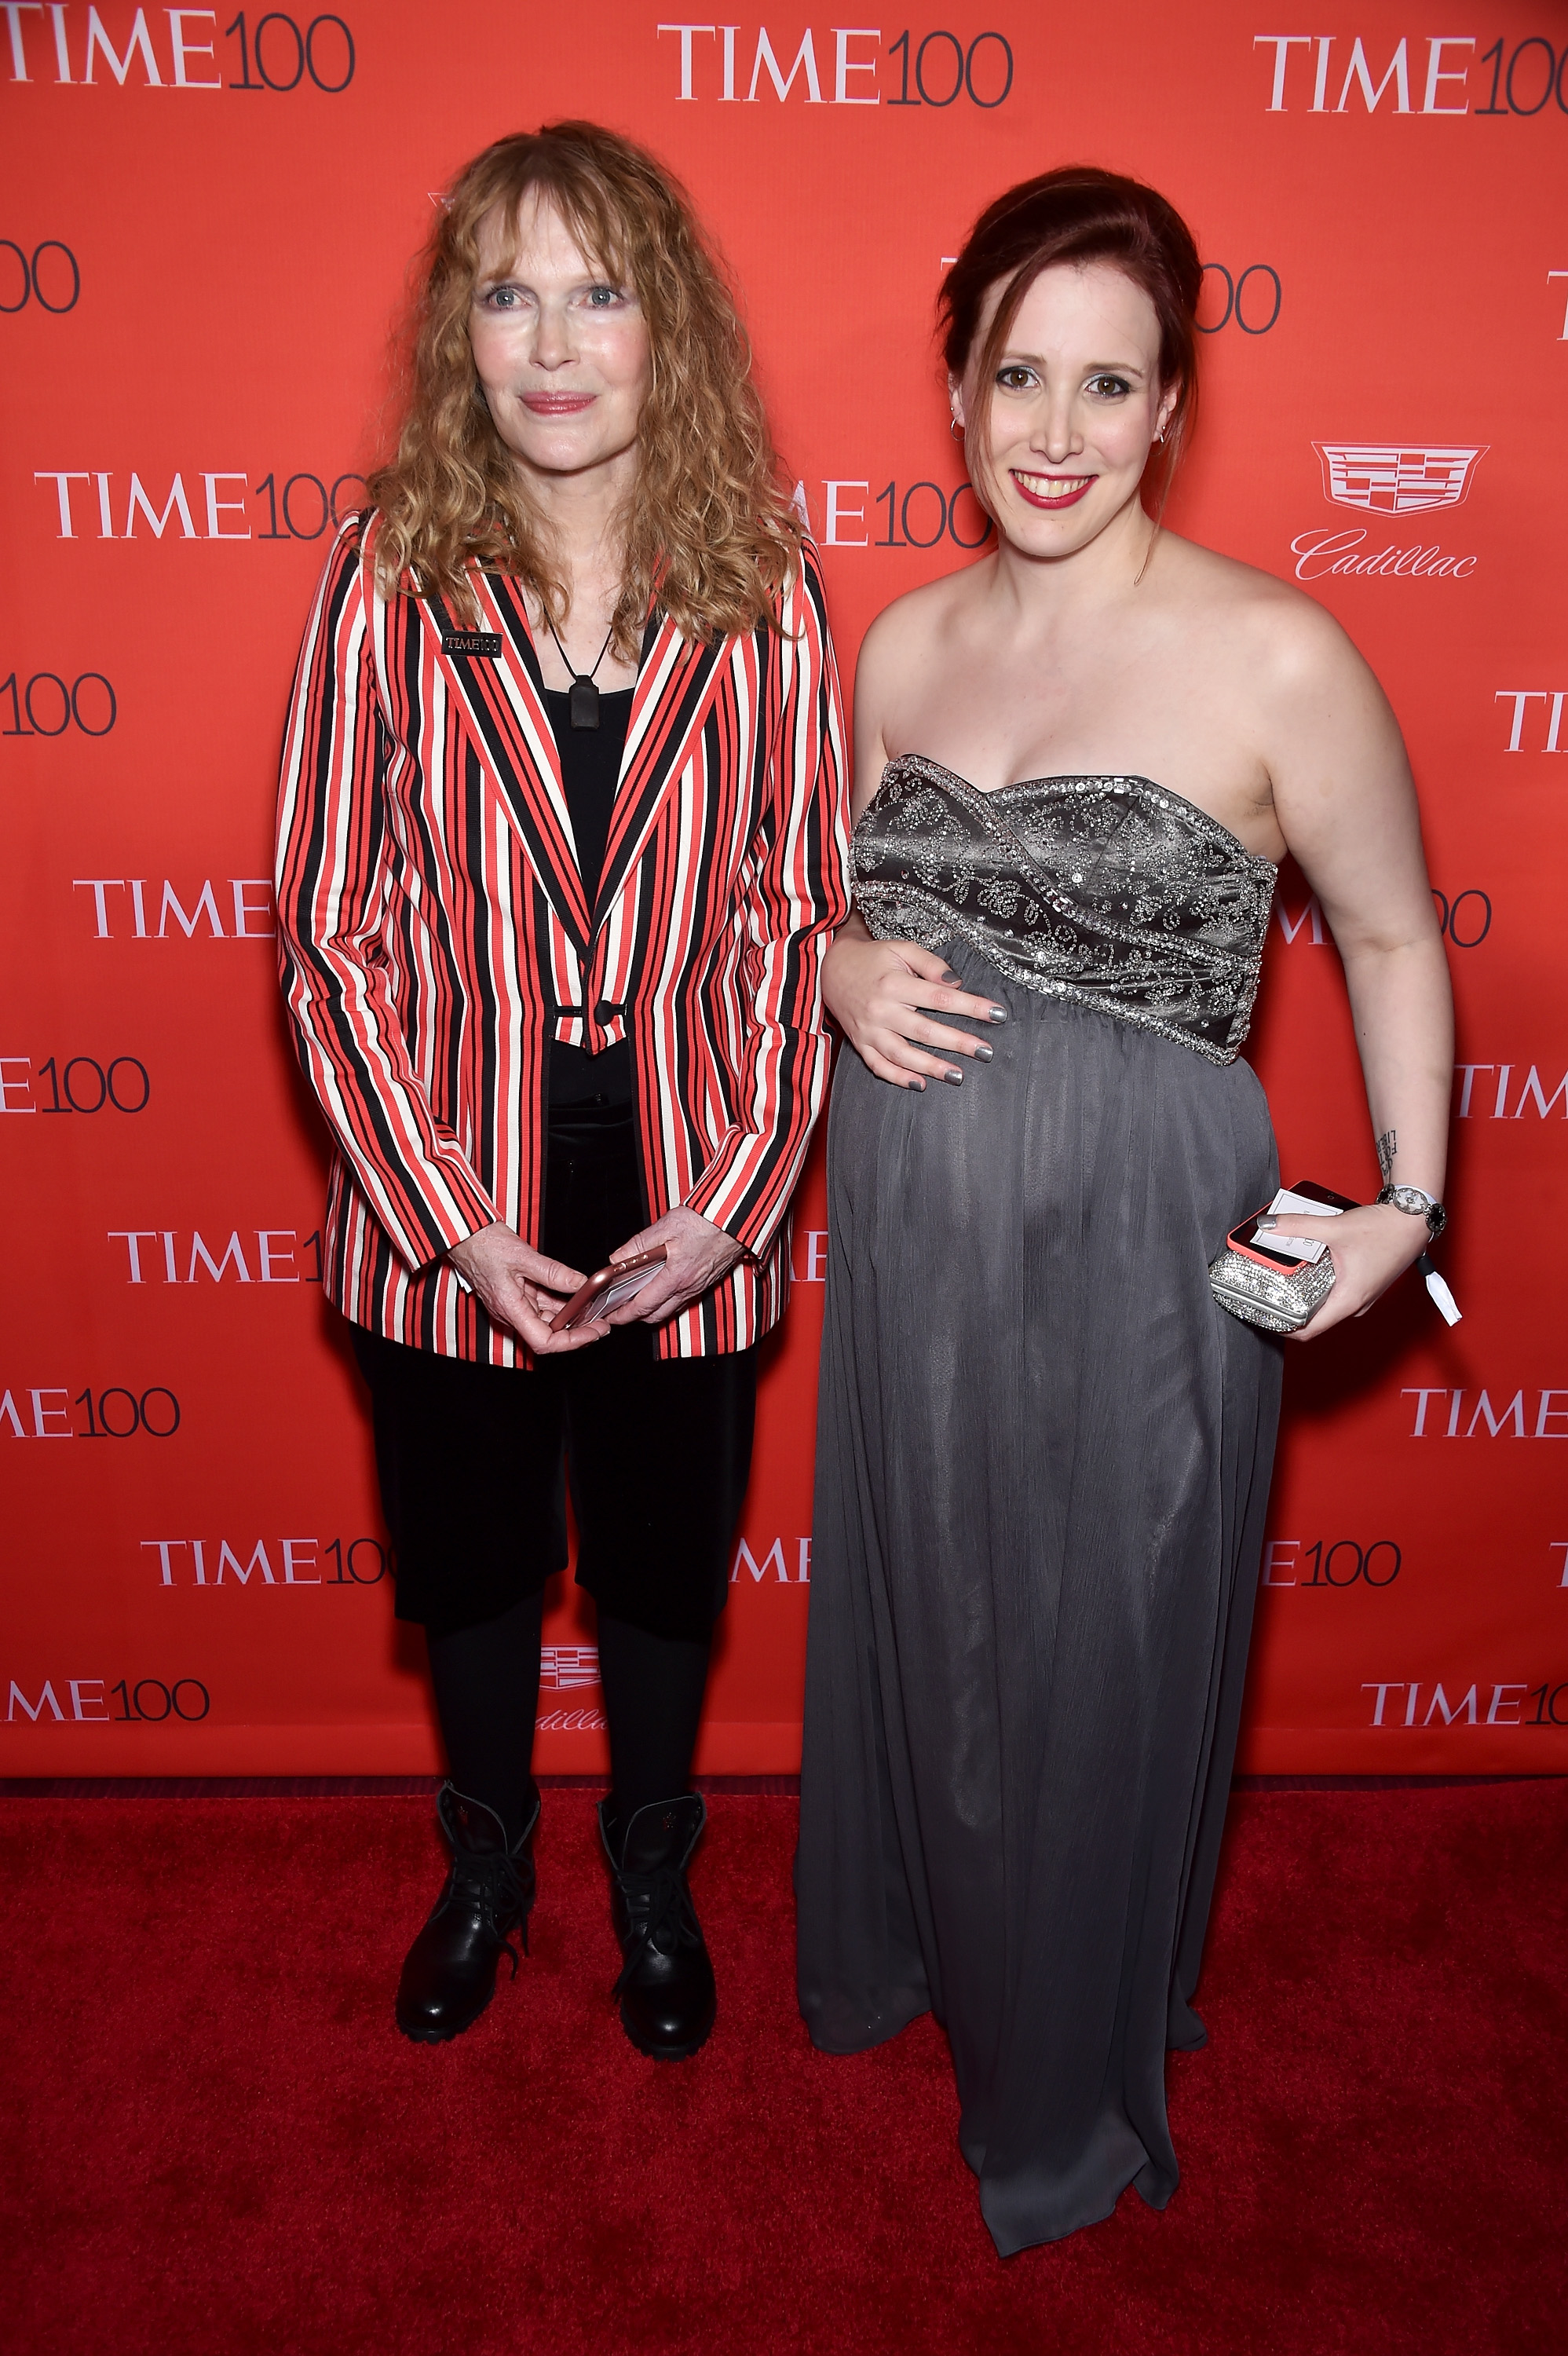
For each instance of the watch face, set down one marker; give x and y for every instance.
(1419, 1205)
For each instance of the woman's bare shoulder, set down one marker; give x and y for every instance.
(906, 632)
(1252, 617)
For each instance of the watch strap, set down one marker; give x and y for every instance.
(1417, 1203)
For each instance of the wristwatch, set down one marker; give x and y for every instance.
(1420, 1204)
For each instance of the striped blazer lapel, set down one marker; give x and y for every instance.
(503, 697)
(678, 684)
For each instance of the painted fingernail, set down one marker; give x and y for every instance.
(999, 1013)
(954, 1079)
(987, 1054)
(918, 1084)
(952, 980)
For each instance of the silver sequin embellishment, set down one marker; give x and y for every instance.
(1101, 890)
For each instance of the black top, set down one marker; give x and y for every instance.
(589, 768)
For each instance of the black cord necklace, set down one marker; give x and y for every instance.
(583, 706)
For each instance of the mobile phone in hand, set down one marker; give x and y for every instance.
(1270, 1250)
(606, 1288)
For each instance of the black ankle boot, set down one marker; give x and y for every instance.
(449, 1972)
(668, 1999)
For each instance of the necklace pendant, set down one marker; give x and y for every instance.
(583, 706)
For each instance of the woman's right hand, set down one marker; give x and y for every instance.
(521, 1288)
(883, 995)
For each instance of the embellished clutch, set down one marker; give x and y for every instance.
(1275, 1290)
(1280, 1302)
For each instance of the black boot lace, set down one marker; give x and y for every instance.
(670, 1922)
(493, 1887)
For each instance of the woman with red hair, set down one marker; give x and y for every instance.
(1044, 1448)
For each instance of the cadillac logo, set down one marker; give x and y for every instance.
(1394, 480)
(564, 1667)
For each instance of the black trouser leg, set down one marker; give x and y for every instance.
(487, 1681)
(653, 1698)
(650, 1825)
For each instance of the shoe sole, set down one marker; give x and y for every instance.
(442, 2036)
(669, 2052)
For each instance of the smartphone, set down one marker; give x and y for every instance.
(1244, 1239)
(1307, 1197)
(606, 1288)
(1319, 1199)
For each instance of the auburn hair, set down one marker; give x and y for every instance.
(708, 533)
(1077, 214)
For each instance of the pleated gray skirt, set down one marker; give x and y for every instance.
(1043, 1463)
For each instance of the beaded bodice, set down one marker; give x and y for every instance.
(1110, 892)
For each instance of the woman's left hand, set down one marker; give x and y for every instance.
(1369, 1247)
(697, 1254)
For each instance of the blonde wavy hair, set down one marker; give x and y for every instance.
(709, 534)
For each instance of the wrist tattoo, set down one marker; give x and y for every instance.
(1388, 1146)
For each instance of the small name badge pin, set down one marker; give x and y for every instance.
(472, 642)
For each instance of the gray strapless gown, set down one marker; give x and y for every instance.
(1043, 1462)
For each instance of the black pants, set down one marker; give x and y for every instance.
(473, 1463)
(472, 1458)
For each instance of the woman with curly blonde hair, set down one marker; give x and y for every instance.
(562, 848)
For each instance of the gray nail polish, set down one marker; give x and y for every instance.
(985, 1054)
(954, 1079)
(918, 1084)
(952, 980)
(999, 1013)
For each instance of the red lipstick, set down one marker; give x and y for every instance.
(1075, 488)
(557, 404)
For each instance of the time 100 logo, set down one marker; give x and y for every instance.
(934, 69)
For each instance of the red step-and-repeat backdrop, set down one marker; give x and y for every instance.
(205, 236)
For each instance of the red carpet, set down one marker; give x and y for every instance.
(215, 2141)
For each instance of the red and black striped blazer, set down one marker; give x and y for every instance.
(435, 937)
